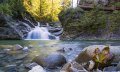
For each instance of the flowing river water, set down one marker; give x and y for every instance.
(46, 47)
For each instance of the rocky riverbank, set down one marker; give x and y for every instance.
(83, 62)
(78, 36)
(17, 58)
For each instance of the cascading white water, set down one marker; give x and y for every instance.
(40, 33)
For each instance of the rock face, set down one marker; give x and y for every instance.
(12, 29)
(51, 61)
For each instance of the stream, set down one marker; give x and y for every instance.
(46, 47)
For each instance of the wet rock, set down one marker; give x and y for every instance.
(19, 62)
(57, 33)
(2, 51)
(118, 67)
(30, 65)
(2, 55)
(26, 49)
(7, 50)
(53, 30)
(51, 37)
(109, 69)
(17, 47)
(37, 68)
(61, 50)
(30, 46)
(70, 49)
(73, 67)
(51, 61)
(2, 64)
(11, 68)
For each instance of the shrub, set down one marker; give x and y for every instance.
(83, 21)
(115, 21)
(70, 18)
(92, 21)
(14, 8)
(5, 9)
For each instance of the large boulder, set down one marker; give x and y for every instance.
(87, 53)
(51, 61)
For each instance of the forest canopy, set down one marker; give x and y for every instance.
(41, 10)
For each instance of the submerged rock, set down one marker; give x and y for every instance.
(25, 49)
(2, 55)
(17, 47)
(21, 56)
(51, 61)
(11, 68)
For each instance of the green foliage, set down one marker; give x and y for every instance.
(114, 21)
(93, 20)
(66, 4)
(70, 18)
(12, 7)
(5, 9)
(116, 4)
(45, 10)
(83, 21)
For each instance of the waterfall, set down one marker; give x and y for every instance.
(40, 33)
(74, 3)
